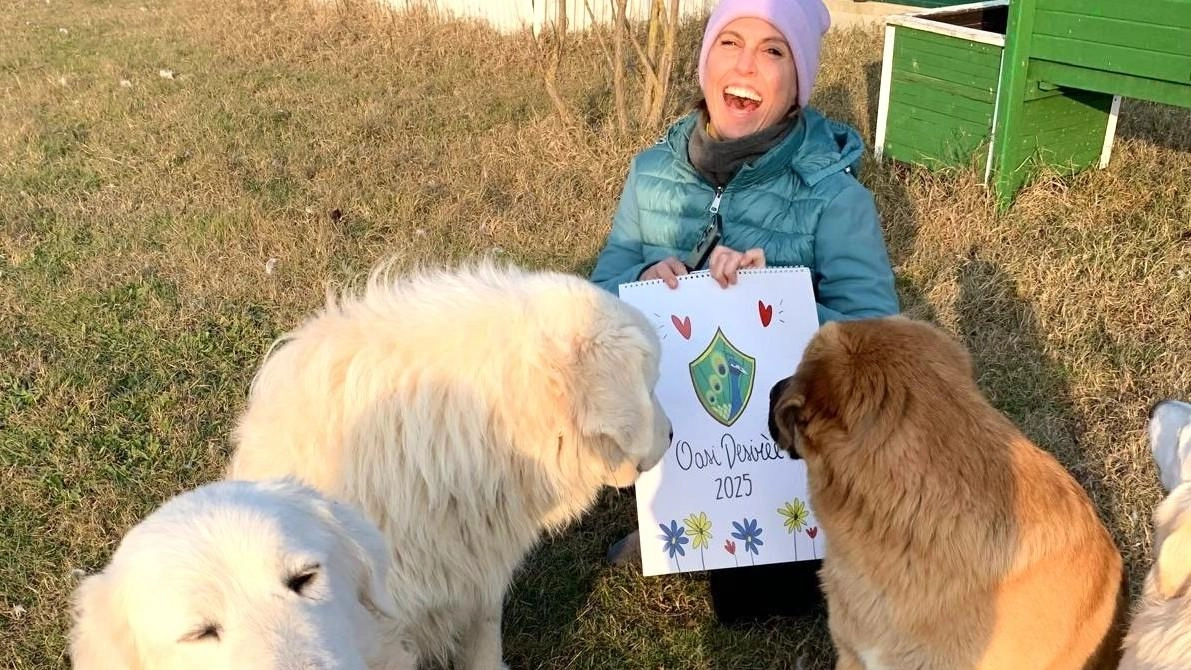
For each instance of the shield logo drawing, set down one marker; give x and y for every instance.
(723, 379)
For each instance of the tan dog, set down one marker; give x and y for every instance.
(1160, 635)
(953, 543)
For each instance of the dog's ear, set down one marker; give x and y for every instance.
(787, 400)
(610, 396)
(365, 554)
(101, 638)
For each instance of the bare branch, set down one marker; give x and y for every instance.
(649, 73)
(551, 75)
(652, 44)
(598, 33)
(620, 29)
(667, 63)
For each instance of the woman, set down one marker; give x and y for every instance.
(767, 180)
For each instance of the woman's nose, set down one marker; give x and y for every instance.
(746, 61)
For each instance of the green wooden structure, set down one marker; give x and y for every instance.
(1026, 82)
(1138, 49)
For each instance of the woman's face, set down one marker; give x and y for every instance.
(749, 80)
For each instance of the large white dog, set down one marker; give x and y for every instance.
(1160, 635)
(465, 412)
(241, 576)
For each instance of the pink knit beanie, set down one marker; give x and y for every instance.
(802, 22)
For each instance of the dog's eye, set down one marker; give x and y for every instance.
(298, 582)
(206, 632)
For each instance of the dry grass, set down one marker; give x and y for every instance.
(136, 221)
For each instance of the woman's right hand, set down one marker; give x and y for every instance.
(667, 269)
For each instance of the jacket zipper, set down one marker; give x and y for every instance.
(710, 237)
(715, 203)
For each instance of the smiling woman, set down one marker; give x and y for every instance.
(748, 78)
(772, 182)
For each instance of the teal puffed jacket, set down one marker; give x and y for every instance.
(800, 203)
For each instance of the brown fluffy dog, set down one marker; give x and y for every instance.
(953, 543)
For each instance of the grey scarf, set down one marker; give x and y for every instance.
(719, 160)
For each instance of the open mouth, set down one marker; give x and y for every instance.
(741, 98)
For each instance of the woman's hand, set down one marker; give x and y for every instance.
(668, 270)
(725, 262)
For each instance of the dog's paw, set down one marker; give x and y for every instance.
(1170, 441)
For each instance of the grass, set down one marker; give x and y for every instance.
(138, 212)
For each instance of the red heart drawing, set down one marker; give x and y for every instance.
(766, 313)
(683, 326)
(812, 531)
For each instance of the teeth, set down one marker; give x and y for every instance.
(742, 92)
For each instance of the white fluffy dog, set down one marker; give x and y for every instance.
(1160, 635)
(240, 575)
(465, 412)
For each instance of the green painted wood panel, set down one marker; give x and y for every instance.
(1111, 58)
(1071, 109)
(941, 97)
(916, 94)
(908, 59)
(1118, 32)
(1110, 82)
(949, 45)
(1175, 13)
(941, 68)
(974, 63)
(1064, 153)
(1063, 132)
(979, 95)
(972, 52)
(942, 120)
(915, 141)
(1009, 161)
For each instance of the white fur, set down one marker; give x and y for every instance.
(1160, 635)
(465, 412)
(222, 556)
(1170, 441)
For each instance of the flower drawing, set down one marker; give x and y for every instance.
(673, 538)
(796, 515)
(748, 531)
(812, 532)
(730, 547)
(698, 526)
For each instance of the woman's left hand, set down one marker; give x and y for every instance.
(725, 262)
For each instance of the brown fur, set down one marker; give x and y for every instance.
(953, 543)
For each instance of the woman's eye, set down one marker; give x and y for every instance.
(207, 632)
(776, 53)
